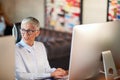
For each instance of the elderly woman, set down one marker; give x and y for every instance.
(31, 57)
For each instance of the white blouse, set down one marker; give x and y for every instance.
(32, 62)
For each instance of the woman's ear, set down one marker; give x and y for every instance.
(38, 33)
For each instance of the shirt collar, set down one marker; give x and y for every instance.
(26, 46)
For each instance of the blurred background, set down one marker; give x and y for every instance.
(61, 15)
(57, 19)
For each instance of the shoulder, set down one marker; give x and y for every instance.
(38, 43)
(19, 46)
(19, 49)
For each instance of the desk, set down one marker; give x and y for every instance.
(101, 76)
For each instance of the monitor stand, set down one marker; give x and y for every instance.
(109, 66)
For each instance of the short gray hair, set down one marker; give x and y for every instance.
(31, 20)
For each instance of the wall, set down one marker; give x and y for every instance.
(25, 8)
(94, 11)
(9, 8)
(19, 9)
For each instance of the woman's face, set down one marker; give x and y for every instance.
(29, 32)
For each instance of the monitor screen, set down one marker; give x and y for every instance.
(7, 58)
(88, 43)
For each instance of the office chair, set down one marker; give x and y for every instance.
(16, 31)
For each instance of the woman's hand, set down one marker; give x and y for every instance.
(59, 73)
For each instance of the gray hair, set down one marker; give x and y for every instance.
(31, 20)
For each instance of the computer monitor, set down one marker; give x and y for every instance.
(88, 43)
(7, 58)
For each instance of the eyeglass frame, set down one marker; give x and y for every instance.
(29, 32)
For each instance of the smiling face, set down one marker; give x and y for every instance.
(29, 32)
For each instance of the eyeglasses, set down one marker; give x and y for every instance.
(29, 32)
